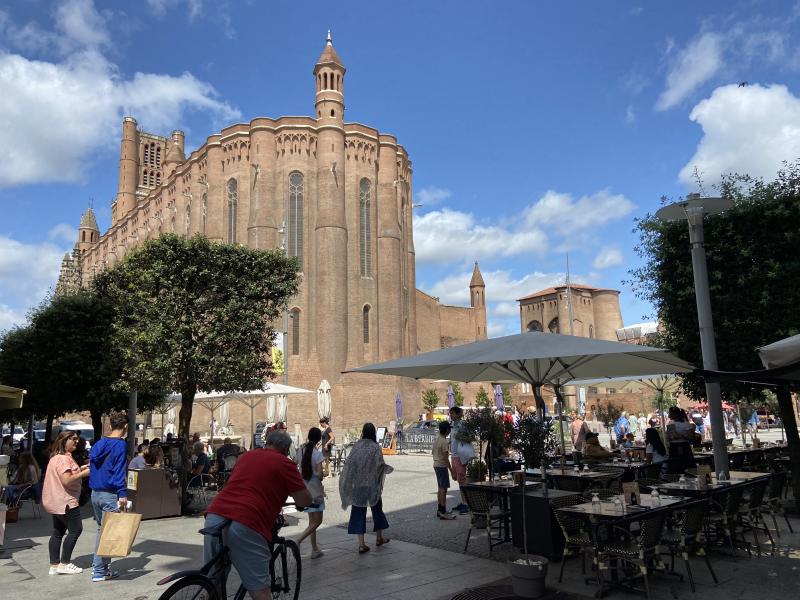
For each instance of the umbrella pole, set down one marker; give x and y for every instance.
(252, 425)
(560, 401)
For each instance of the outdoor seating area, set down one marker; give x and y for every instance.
(658, 536)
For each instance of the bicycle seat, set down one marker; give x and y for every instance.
(215, 530)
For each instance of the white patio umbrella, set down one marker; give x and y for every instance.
(535, 358)
(324, 399)
(281, 408)
(272, 401)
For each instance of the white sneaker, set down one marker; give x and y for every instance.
(68, 569)
(53, 570)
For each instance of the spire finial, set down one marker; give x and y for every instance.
(330, 41)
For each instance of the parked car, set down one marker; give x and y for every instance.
(427, 425)
(85, 430)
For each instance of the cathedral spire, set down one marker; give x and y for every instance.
(477, 278)
(329, 75)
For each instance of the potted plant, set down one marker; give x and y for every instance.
(531, 437)
(476, 470)
(487, 427)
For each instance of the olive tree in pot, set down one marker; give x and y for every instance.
(531, 437)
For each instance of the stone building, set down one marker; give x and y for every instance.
(338, 196)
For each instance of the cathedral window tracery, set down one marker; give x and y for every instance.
(366, 324)
(365, 227)
(295, 224)
(295, 317)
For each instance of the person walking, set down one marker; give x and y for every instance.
(108, 460)
(633, 425)
(60, 498)
(459, 449)
(309, 459)
(361, 485)
(578, 430)
(442, 467)
(328, 439)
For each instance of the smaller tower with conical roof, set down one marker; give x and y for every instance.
(88, 232)
(477, 300)
(329, 74)
(175, 155)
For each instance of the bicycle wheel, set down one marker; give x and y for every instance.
(285, 570)
(193, 587)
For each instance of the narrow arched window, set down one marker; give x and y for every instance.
(295, 224)
(188, 217)
(158, 177)
(365, 227)
(158, 156)
(366, 324)
(325, 80)
(591, 331)
(146, 153)
(295, 317)
(233, 201)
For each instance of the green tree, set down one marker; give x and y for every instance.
(457, 393)
(753, 268)
(482, 398)
(608, 414)
(194, 315)
(507, 397)
(430, 400)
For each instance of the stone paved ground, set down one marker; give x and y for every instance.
(424, 560)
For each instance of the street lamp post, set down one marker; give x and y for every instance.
(693, 209)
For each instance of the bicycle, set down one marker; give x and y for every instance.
(209, 583)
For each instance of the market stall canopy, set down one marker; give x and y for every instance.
(536, 358)
(11, 398)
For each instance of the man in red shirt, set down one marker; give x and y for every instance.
(252, 499)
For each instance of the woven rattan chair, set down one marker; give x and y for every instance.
(637, 550)
(750, 516)
(684, 540)
(722, 521)
(613, 479)
(480, 505)
(576, 540)
(773, 502)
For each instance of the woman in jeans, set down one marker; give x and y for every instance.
(62, 488)
(361, 485)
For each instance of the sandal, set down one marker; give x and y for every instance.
(382, 542)
(363, 549)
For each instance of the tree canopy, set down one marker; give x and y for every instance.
(482, 399)
(193, 315)
(753, 268)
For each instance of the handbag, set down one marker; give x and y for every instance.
(118, 533)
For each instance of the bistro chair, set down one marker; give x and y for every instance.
(651, 471)
(480, 505)
(339, 456)
(736, 461)
(722, 521)
(750, 516)
(569, 483)
(773, 503)
(613, 478)
(684, 540)
(638, 550)
(576, 539)
(201, 486)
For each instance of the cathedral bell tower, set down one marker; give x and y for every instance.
(477, 300)
(330, 232)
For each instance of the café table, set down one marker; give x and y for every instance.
(502, 490)
(613, 515)
(692, 487)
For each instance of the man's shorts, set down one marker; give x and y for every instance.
(248, 551)
(459, 470)
(442, 478)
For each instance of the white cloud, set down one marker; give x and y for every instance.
(59, 112)
(565, 215)
(609, 256)
(630, 115)
(160, 7)
(748, 130)
(501, 286)
(64, 233)
(692, 67)
(448, 235)
(432, 195)
(505, 309)
(27, 273)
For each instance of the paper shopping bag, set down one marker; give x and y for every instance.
(118, 533)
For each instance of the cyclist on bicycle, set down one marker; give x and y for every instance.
(252, 500)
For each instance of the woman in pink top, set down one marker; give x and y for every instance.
(62, 488)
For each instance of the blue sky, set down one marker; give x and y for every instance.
(535, 129)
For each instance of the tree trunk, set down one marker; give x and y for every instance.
(97, 423)
(792, 436)
(48, 428)
(185, 415)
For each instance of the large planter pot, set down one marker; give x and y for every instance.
(528, 579)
